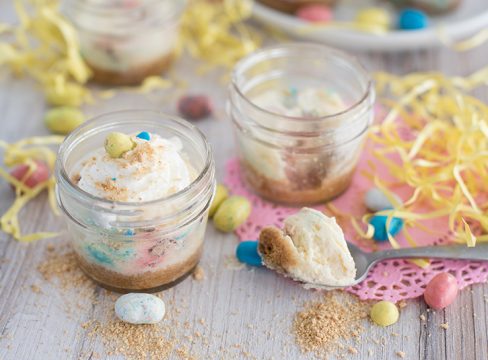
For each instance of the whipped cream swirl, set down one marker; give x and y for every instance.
(153, 169)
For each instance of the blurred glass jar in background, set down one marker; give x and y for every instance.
(124, 41)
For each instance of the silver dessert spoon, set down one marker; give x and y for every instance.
(364, 261)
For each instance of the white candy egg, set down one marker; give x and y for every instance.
(139, 308)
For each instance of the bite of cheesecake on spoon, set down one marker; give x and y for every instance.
(310, 248)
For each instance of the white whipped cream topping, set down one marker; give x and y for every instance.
(307, 102)
(153, 170)
(321, 250)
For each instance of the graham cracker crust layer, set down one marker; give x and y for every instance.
(147, 281)
(134, 76)
(282, 191)
(277, 253)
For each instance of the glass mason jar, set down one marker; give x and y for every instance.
(299, 160)
(127, 246)
(124, 41)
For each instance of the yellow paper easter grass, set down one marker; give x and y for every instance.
(25, 152)
(44, 46)
(445, 162)
(214, 31)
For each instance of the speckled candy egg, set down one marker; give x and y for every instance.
(441, 291)
(375, 200)
(412, 19)
(194, 107)
(247, 253)
(139, 308)
(315, 13)
(379, 223)
(384, 313)
(374, 16)
(38, 175)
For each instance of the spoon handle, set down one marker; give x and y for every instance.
(479, 252)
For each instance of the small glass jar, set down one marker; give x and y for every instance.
(125, 41)
(142, 246)
(299, 160)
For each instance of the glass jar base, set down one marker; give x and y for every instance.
(133, 76)
(281, 192)
(149, 281)
(150, 290)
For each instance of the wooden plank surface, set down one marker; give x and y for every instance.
(239, 313)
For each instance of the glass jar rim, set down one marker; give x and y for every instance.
(277, 50)
(70, 140)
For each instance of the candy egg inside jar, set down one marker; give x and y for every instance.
(300, 115)
(123, 42)
(136, 221)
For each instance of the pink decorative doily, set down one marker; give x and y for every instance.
(392, 280)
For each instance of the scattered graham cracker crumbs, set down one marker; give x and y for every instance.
(231, 263)
(402, 303)
(184, 354)
(400, 354)
(62, 265)
(352, 350)
(36, 289)
(445, 326)
(135, 342)
(422, 317)
(198, 273)
(321, 326)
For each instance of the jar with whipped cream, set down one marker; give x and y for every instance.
(136, 216)
(300, 115)
(125, 41)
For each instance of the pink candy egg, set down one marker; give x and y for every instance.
(441, 291)
(39, 175)
(315, 13)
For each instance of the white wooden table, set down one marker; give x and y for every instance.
(246, 313)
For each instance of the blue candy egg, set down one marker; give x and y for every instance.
(412, 19)
(247, 253)
(144, 135)
(379, 224)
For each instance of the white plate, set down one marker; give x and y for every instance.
(470, 18)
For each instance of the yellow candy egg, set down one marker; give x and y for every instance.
(116, 144)
(221, 193)
(374, 18)
(63, 119)
(69, 95)
(232, 213)
(384, 313)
